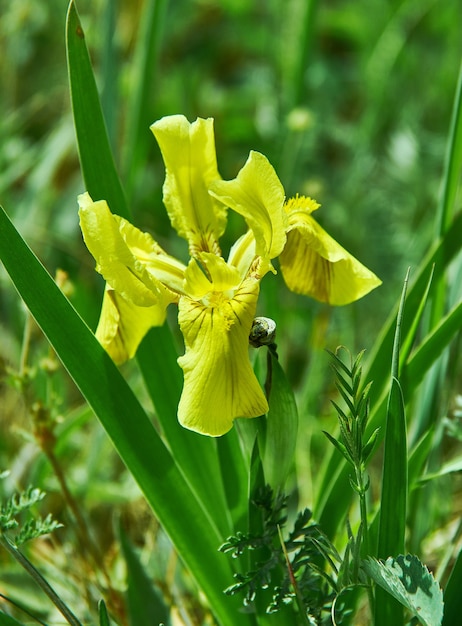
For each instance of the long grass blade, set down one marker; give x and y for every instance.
(124, 420)
(98, 167)
(432, 347)
(392, 523)
(453, 163)
(451, 594)
(140, 110)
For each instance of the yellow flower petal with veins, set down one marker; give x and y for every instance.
(122, 325)
(189, 155)
(314, 264)
(257, 194)
(217, 277)
(163, 267)
(219, 382)
(121, 268)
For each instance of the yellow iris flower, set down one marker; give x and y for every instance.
(216, 298)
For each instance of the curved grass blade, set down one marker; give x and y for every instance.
(235, 474)
(432, 346)
(98, 167)
(393, 503)
(453, 163)
(7, 620)
(137, 442)
(145, 68)
(145, 603)
(451, 594)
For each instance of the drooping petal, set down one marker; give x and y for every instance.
(190, 161)
(125, 268)
(122, 325)
(219, 383)
(257, 194)
(314, 264)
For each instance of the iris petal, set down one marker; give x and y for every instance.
(315, 265)
(189, 155)
(122, 325)
(242, 253)
(219, 383)
(257, 194)
(123, 270)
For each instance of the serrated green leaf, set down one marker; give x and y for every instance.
(35, 528)
(409, 582)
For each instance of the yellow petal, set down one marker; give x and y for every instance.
(314, 264)
(257, 194)
(123, 253)
(219, 383)
(159, 264)
(190, 161)
(122, 325)
(216, 277)
(242, 253)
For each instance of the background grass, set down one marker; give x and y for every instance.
(350, 101)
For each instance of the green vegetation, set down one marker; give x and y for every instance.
(353, 518)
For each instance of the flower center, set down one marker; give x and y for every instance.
(215, 299)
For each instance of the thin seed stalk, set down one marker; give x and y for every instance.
(40, 580)
(365, 551)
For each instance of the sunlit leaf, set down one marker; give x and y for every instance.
(409, 581)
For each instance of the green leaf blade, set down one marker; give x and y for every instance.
(98, 167)
(145, 604)
(278, 451)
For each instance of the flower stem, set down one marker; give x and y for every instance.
(40, 580)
